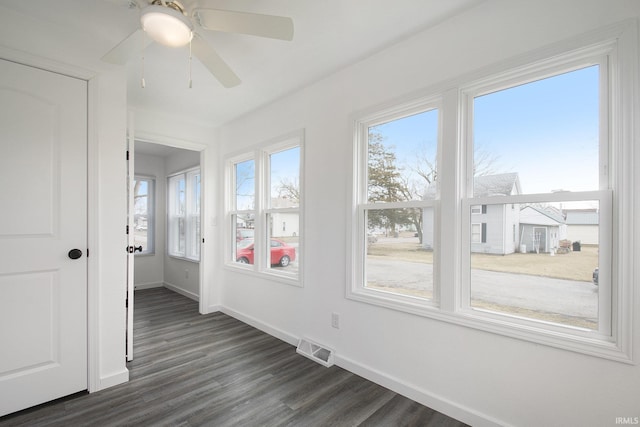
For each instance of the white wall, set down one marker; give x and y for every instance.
(479, 377)
(149, 269)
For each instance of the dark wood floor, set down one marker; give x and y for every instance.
(213, 370)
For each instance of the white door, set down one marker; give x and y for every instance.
(43, 219)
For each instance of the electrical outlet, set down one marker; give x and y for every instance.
(335, 320)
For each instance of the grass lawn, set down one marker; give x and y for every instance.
(571, 266)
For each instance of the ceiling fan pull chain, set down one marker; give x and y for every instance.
(190, 61)
(142, 82)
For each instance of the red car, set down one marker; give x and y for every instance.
(281, 253)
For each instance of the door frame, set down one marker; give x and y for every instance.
(141, 136)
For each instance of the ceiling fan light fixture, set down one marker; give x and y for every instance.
(166, 26)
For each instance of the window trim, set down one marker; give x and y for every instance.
(260, 154)
(619, 44)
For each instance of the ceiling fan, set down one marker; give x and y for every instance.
(171, 23)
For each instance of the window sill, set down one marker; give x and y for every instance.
(195, 261)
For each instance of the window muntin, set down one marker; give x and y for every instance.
(397, 192)
(144, 214)
(267, 212)
(551, 139)
(183, 202)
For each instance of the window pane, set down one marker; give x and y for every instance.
(285, 178)
(402, 158)
(545, 271)
(193, 216)
(538, 137)
(242, 226)
(399, 256)
(283, 236)
(245, 185)
(143, 214)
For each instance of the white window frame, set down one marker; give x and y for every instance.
(189, 217)
(151, 215)
(356, 288)
(260, 154)
(616, 48)
(600, 55)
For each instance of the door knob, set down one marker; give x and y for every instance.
(137, 248)
(75, 253)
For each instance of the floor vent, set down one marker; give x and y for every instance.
(315, 352)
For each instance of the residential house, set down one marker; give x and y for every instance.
(582, 225)
(541, 229)
(494, 228)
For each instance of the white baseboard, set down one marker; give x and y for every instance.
(433, 401)
(273, 331)
(181, 291)
(112, 380)
(213, 309)
(148, 285)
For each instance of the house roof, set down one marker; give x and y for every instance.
(582, 217)
(503, 184)
(541, 215)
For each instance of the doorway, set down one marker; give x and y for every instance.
(165, 221)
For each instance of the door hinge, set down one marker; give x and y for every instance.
(127, 154)
(87, 252)
(127, 229)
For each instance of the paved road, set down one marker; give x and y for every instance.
(565, 297)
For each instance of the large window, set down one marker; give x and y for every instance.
(264, 211)
(144, 214)
(522, 229)
(537, 150)
(395, 204)
(183, 201)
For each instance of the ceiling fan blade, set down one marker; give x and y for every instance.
(213, 62)
(127, 48)
(275, 27)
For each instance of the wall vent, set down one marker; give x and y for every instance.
(315, 352)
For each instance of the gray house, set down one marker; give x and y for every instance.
(541, 229)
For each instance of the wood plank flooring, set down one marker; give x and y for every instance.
(213, 370)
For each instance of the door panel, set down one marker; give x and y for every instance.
(43, 194)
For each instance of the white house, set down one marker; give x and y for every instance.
(582, 225)
(494, 229)
(348, 60)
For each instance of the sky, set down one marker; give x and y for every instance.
(546, 131)
(285, 166)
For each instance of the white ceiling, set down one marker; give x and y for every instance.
(329, 35)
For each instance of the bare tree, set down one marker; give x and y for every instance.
(289, 189)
